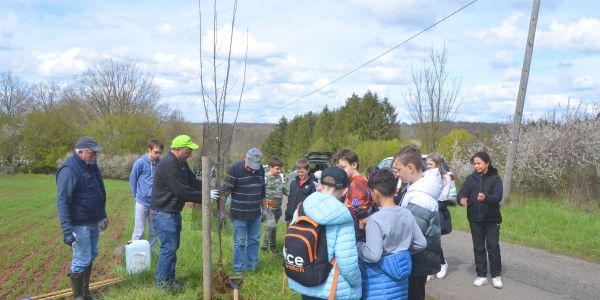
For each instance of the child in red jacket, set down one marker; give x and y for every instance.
(358, 198)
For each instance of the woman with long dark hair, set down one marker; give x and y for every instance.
(482, 193)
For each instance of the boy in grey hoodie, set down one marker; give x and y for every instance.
(390, 233)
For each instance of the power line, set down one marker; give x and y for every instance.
(366, 63)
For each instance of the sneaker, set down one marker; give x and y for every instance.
(274, 250)
(480, 281)
(497, 282)
(442, 273)
(429, 277)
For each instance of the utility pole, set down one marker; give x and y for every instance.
(516, 125)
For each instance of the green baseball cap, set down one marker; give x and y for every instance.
(183, 141)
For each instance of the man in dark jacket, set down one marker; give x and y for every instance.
(173, 185)
(245, 182)
(80, 201)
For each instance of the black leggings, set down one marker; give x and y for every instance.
(486, 242)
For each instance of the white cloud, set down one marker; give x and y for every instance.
(538, 103)
(508, 32)
(70, 62)
(583, 35)
(413, 13)
(6, 40)
(118, 52)
(583, 82)
(165, 29)
(256, 49)
(502, 90)
(387, 75)
(164, 58)
(512, 73)
(503, 59)
(166, 84)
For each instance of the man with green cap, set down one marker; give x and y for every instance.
(173, 185)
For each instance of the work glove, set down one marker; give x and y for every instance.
(214, 195)
(69, 238)
(103, 224)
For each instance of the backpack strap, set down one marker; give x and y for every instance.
(303, 217)
(336, 275)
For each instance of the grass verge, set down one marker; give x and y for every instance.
(545, 224)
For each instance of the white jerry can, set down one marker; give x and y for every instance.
(137, 256)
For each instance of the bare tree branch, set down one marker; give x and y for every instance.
(433, 99)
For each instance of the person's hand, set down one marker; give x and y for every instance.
(214, 195)
(480, 197)
(69, 239)
(362, 223)
(463, 201)
(263, 214)
(103, 224)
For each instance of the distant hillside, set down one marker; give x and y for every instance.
(245, 136)
(408, 130)
(248, 135)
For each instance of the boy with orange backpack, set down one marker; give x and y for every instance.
(320, 255)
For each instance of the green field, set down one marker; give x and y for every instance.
(33, 259)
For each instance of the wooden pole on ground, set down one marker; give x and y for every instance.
(206, 251)
(516, 125)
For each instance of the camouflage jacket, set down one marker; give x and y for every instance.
(275, 188)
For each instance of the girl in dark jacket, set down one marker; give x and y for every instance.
(482, 193)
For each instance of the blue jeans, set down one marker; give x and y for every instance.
(168, 227)
(85, 249)
(245, 244)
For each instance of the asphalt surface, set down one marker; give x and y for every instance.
(527, 273)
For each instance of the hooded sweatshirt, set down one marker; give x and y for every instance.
(421, 199)
(341, 244)
(392, 234)
(140, 180)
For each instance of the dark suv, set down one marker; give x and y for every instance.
(317, 161)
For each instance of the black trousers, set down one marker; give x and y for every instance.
(486, 242)
(442, 259)
(416, 287)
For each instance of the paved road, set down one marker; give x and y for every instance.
(527, 273)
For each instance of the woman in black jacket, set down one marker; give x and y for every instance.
(482, 193)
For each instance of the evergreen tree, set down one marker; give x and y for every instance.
(274, 144)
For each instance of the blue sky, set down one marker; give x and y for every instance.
(296, 47)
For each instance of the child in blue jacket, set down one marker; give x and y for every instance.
(392, 234)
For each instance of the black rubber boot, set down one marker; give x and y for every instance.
(87, 295)
(77, 285)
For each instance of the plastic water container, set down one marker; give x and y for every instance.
(137, 256)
